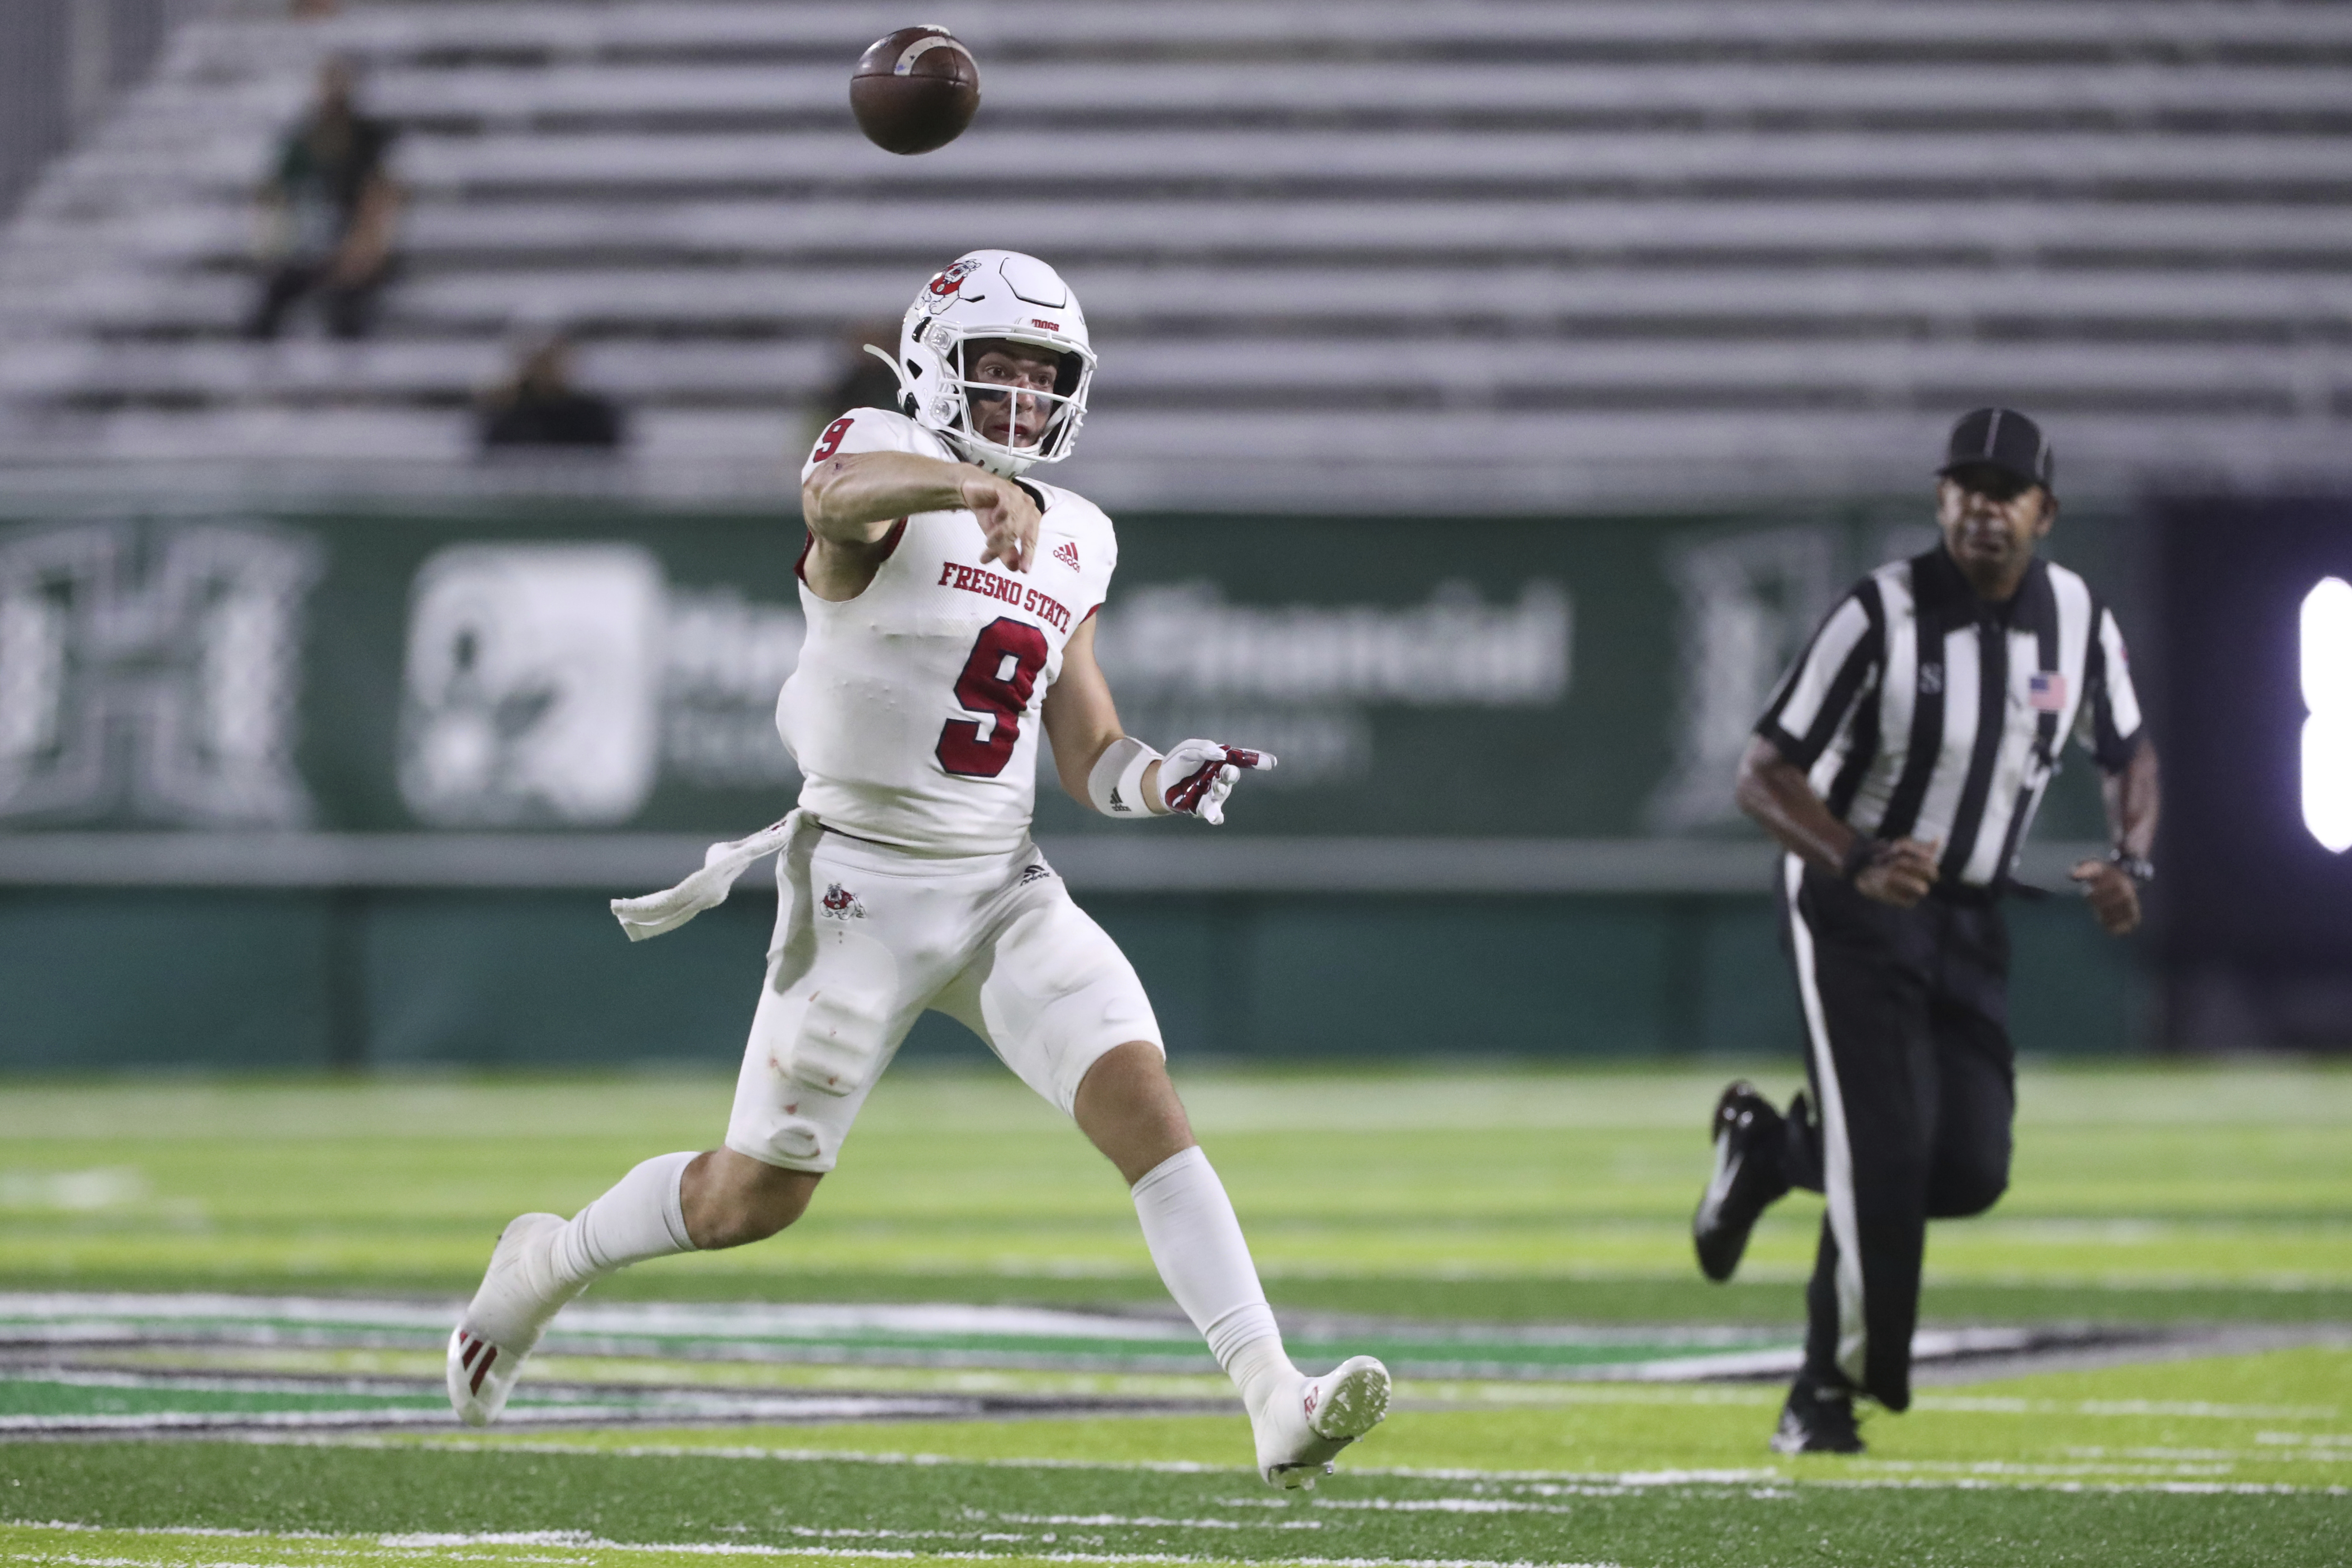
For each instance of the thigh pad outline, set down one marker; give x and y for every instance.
(852, 991)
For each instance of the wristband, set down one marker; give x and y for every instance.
(2136, 866)
(1115, 784)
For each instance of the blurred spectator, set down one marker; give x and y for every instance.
(539, 407)
(330, 209)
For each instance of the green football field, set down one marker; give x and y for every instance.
(220, 1303)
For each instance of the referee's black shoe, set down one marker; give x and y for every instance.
(1749, 1175)
(1817, 1419)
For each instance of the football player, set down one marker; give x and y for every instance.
(950, 609)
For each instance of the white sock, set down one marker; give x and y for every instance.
(1195, 1240)
(640, 1217)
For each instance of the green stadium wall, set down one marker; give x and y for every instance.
(118, 979)
(1526, 684)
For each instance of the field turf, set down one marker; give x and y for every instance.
(2144, 1197)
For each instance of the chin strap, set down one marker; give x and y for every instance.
(906, 382)
(1115, 784)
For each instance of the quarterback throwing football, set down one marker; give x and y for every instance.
(950, 613)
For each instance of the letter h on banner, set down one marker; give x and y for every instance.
(151, 674)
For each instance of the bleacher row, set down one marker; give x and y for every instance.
(1493, 254)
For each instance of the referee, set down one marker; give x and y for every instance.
(1900, 764)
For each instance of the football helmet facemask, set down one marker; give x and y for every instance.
(987, 294)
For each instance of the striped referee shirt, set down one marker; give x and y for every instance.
(1920, 712)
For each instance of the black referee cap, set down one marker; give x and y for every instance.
(2002, 439)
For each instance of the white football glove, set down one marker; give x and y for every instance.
(1195, 776)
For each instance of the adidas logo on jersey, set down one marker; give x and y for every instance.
(1066, 552)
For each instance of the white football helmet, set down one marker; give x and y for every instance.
(992, 294)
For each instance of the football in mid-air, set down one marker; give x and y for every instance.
(915, 90)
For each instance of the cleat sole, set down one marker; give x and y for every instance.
(1350, 1402)
(1357, 1401)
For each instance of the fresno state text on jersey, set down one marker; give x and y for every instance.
(914, 711)
(1005, 590)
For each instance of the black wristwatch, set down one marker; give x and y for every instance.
(2138, 868)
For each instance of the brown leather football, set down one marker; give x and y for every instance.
(915, 90)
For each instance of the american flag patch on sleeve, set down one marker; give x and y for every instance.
(2046, 691)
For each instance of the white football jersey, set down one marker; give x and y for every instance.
(915, 711)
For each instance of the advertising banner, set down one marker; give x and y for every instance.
(534, 670)
(291, 786)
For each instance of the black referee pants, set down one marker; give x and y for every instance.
(1906, 1016)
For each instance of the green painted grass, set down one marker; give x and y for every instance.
(2238, 1460)
(639, 1507)
(2273, 1418)
(1485, 1194)
(1027, 1516)
(1480, 1194)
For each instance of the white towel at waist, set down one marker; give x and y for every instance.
(706, 888)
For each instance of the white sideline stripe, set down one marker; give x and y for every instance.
(94, 1313)
(1837, 1155)
(1926, 1345)
(1624, 1481)
(583, 1541)
(650, 1414)
(72, 1319)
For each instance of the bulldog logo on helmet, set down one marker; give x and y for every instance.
(946, 286)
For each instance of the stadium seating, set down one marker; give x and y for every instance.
(1503, 254)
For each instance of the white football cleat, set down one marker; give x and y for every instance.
(1303, 1429)
(519, 1296)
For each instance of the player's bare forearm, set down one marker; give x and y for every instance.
(1079, 738)
(1081, 719)
(856, 498)
(1774, 791)
(2135, 797)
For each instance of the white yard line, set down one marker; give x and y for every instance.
(66, 1312)
(1969, 1475)
(580, 1541)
